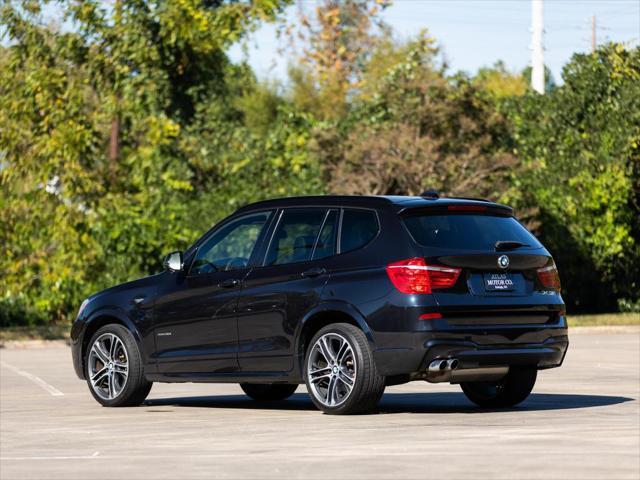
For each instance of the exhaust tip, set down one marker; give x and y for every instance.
(438, 365)
(453, 363)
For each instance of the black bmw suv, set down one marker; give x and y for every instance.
(346, 294)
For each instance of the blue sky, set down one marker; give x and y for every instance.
(476, 33)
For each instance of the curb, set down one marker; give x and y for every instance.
(33, 344)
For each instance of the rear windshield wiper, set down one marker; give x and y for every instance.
(509, 245)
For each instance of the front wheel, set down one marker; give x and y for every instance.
(114, 370)
(340, 371)
(512, 389)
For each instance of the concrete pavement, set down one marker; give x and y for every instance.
(582, 421)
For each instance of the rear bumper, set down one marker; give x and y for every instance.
(548, 354)
(411, 352)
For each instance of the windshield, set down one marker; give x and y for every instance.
(467, 232)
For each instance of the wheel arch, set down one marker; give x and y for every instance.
(98, 320)
(323, 315)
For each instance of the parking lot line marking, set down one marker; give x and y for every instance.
(37, 380)
(75, 457)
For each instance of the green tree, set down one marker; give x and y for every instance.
(498, 82)
(580, 145)
(112, 141)
(417, 129)
(332, 47)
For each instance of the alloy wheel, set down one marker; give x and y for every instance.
(108, 366)
(331, 369)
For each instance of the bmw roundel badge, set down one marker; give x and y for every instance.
(503, 261)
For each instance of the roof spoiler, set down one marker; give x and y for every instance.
(433, 194)
(438, 208)
(475, 199)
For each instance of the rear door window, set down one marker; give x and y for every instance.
(359, 227)
(326, 245)
(467, 232)
(295, 236)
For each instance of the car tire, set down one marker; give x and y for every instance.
(114, 369)
(268, 392)
(514, 388)
(343, 380)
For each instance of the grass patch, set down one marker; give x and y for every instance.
(45, 332)
(604, 319)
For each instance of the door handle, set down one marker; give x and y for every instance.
(314, 272)
(229, 283)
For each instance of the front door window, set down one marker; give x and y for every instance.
(230, 247)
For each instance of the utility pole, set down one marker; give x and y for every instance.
(593, 33)
(537, 56)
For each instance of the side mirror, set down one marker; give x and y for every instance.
(173, 262)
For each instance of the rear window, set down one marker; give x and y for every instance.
(467, 232)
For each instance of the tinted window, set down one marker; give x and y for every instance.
(295, 236)
(467, 232)
(358, 228)
(230, 247)
(326, 245)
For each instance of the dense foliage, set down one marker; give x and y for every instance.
(579, 148)
(124, 137)
(125, 132)
(418, 128)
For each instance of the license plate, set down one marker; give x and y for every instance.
(498, 282)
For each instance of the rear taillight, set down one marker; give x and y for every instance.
(415, 276)
(549, 277)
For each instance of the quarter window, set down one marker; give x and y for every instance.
(295, 236)
(359, 227)
(230, 248)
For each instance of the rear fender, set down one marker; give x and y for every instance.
(344, 308)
